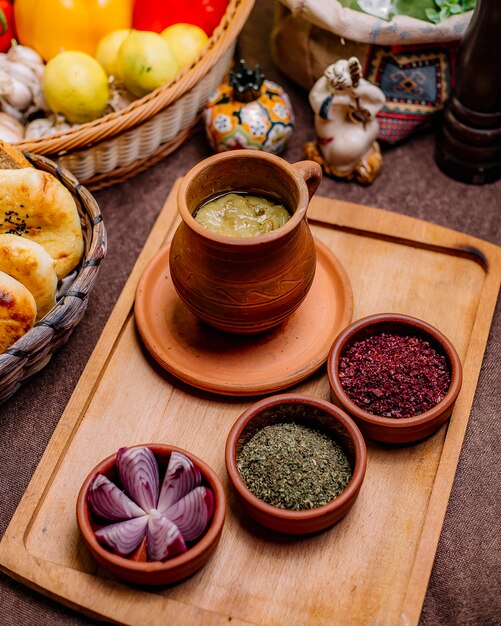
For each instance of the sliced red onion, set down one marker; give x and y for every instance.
(163, 538)
(108, 501)
(123, 537)
(138, 471)
(192, 513)
(180, 478)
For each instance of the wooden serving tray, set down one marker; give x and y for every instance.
(373, 567)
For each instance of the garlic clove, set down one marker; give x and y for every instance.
(24, 54)
(21, 72)
(119, 97)
(39, 99)
(11, 130)
(39, 128)
(11, 110)
(5, 81)
(18, 94)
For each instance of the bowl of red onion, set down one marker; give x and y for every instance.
(397, 376)
(151, 514)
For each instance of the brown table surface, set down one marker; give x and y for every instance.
(465, 583)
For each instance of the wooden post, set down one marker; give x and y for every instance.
(468, 146)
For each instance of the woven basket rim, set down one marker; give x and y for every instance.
(146, 107)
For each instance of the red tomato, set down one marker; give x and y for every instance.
(7, 32)
(155, 16)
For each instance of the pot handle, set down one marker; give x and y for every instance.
(311, 173)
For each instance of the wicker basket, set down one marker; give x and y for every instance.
(34, 349)
(119, 145)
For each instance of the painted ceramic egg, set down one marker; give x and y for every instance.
(249, 112)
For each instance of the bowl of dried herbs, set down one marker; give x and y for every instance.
(397, 376)
(296, 463)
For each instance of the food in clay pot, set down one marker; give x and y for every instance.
(242, 215)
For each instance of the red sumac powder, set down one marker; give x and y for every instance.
(394, 375)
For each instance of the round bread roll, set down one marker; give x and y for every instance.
(35, 205)
(17, 310)
(30, 264)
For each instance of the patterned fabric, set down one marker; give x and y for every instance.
(416, 82)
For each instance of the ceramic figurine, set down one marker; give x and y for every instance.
(345, 107)
(249, 112)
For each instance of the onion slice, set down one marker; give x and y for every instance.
(123, 537)
(180, 478)
(138, 471)
(192, 513)
(163, 538)
(108, 501)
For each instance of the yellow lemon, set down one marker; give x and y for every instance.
(186, 41)
(76, 85)
(108, 47)
(145, 61)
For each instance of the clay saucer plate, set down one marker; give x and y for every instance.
(242, 365)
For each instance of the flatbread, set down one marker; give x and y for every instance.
(11, 158)
(17, 310)
(29, 263)
(37, 206)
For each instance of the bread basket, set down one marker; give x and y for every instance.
(119, 145)
(34, 350)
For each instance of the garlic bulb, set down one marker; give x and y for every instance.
(16, 92)
(43, 127)
(28, 57)
(23, 54)
(11, 130)
(21, 72)
(119, 97)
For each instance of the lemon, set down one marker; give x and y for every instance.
(108, 47)
(145, 61)
(75, 85)
(186, 41)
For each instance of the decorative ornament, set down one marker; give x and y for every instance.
(345, 107)
(249, 112)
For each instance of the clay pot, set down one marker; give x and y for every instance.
(315, 413)
(390, 429)
(245, 285)
(154, 573)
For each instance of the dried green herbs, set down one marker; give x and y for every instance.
(293, 467)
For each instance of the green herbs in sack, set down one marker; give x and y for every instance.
(429, 10)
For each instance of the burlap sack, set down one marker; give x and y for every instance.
(415, 77)
(358, 26)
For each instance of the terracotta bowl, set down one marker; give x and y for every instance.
(389, 429)
(154, 573)
(309, 411)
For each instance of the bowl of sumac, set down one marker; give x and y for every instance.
(397, 376)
